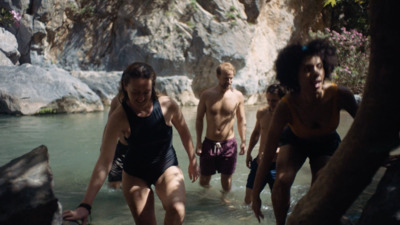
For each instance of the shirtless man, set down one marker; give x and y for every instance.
(218, 151)
(274, 94)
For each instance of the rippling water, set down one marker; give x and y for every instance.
(73, 141)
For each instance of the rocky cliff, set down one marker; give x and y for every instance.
(183, 40)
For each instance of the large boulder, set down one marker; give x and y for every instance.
(30, 89)
(26, 191)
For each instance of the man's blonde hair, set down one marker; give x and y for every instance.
(225, 66)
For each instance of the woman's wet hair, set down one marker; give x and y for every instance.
(137, 70)
(290, 58)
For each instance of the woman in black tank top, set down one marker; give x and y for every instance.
(145, 121)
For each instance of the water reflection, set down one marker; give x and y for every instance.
(73, 141)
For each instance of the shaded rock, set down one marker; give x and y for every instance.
(252, 9)
(26, 191)
(29, 89)
(383, 207)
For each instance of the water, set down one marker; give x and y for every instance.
(73, 141)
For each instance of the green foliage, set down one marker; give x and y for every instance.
(333, 2)
(232, 15)
(352, 14)
(44, 111)
(190, 24)
(193, 3)
(353, 50)
(87, 10)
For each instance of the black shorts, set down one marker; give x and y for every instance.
(312, 148)
(269, 179)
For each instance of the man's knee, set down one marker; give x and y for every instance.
(205, 181)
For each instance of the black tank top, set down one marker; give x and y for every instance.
(150, 145)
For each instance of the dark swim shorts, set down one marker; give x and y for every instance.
(269, 179)
(218, 157)
(115, 173)
(324, 145)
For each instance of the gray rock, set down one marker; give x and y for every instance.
(26, 191)
(179, 88)
(183, 38)
(4, 60)
(29, 89)
(104, 84)
(8, 47)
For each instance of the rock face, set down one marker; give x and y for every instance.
(29, 89)
(178, 38)
(26, 193)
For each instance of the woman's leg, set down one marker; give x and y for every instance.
(170, 188)
(289, 161)
(140, 199)
(316, 165)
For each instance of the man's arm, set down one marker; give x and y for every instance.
(255, 135)
(201, 110)
(241, 122)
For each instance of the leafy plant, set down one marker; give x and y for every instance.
(44, 111)
(353, 50)
(193, 3)
(232, 15)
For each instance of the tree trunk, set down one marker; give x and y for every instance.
(373, 134)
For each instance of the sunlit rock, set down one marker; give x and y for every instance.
(30, 89)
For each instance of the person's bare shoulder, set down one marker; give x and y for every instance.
(118, 116)
(208, 92)
(238, 93)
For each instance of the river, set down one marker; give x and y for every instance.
(73, 141)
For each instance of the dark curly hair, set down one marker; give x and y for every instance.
(290, 58)
(276, 89)
(137, 70)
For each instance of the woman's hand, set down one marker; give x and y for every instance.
(193, 170)
(256, 205)
(79, 213)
